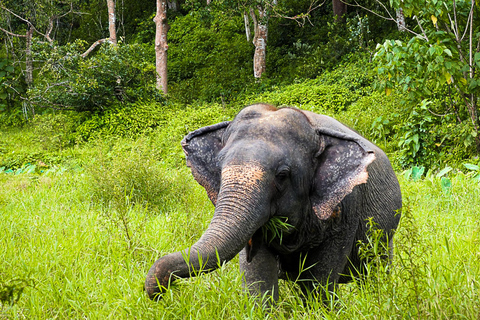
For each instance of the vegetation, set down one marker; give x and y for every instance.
(93, 184)
(77, 242)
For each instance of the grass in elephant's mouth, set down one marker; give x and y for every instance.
(88, 264)
(275, 228)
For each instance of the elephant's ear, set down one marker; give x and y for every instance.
(343, 157)
(201, 148)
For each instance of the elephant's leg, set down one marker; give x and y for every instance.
(329, 265)
(261, 274)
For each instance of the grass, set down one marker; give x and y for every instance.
(68, 256)
(78, 235)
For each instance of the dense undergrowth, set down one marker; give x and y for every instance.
(72, 248)
(89, 201)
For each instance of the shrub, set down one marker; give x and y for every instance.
(111, 76)
(12, 84)
(311, 95)
(55, 131)
(209, 57)
(129, 120)
(127, 173)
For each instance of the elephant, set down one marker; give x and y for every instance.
(322, 180)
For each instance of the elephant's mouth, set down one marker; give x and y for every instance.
(280, 235)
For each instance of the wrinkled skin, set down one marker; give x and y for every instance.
(321, 176)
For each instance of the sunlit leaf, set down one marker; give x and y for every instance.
(448, 77)
(446, 184)
(444, 171)
(470, 166)
(417, 172)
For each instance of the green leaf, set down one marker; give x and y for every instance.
(471, 166)
(448, 77)
(446, 184)
(448, 52)
(444, 171)
(472, 84)
(477, 59)
(417, 172)
(415, 139)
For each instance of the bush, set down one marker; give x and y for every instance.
(129, 120)
(209, 57)
(179, 121)
(111, 76)
(55, 131)
(311, 95)
(127, 173)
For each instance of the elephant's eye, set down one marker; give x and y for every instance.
(282, 173)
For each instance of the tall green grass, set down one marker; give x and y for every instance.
(68, 254)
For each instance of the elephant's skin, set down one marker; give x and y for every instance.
(320, 175)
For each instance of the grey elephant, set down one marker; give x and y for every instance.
(320, 177)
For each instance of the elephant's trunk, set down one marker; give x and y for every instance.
(238, 214)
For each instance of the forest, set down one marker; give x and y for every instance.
(96, 96)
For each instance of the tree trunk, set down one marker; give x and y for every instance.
(401, 20)
(339, 10)
(260, 23)
(111, 21)
(161, 45)
(28, 57)
(247, 25)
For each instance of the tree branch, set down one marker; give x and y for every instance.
(93, 46)
(389, 18)
(421, 28)
(13, 34)
(303, 16)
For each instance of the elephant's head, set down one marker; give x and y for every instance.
(267, 162)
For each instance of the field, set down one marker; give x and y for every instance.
(75, 244)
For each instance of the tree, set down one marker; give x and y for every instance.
(111, 29)
(261, 11)
(442, 55)
(260, 17)
(111, 21)
(339, 10)
(32, 18)
(161, 45)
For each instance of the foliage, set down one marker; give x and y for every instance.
(128, 173)
(114, 75)
(86, 257)
(11, 86)
(55, 131)
(311, 95)
(129, 120)
(439, 63)
(209, 58)
(166, 124)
